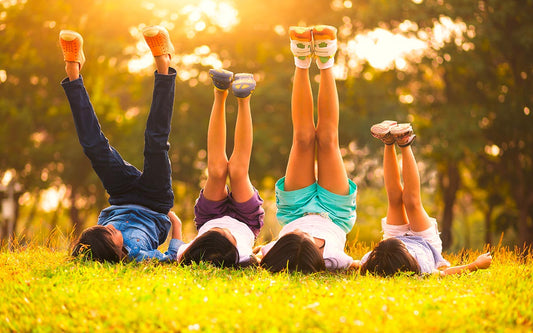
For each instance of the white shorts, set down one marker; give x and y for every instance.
(431, 234)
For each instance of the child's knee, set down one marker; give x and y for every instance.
(327, 140)
(411, 201)
(304, 139)
(237, 170)
(218, 170)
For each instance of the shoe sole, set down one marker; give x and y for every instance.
(324, 32)
(301, 34)
(158, 40)
(382, 129)
(72, 46)
(221, 78)
(243, 85)
(401, 130)
(403, 134)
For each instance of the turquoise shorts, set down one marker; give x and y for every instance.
(314, 199)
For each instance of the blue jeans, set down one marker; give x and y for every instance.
(125, 184)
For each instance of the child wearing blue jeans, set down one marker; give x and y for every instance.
(411, 241)
(227, 222)
(315, 199)
(139, 218)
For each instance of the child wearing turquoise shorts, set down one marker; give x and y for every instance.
(315, 199)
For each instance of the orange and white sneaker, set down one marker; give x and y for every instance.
(72, 46)
(301, 45)
(382, 131)
(158, 40)
(324, 45)
(403, 134)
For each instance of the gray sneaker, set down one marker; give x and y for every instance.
(382, 131)
(403, 134)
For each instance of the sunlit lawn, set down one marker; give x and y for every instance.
(42, 290)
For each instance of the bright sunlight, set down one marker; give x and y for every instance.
(206, 15)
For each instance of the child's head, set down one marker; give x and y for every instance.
(389, 257)
(100, 243)
(294, 252)
(216, 246)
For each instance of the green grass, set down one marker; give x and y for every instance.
(43, 290)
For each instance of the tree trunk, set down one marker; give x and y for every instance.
(449, 183)
(523, 197)
(525, 230)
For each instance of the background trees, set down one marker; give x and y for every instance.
(467, 90)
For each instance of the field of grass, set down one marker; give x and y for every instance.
(43, 290)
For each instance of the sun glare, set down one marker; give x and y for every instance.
(205, 15)
(383, 49)
(51, 198)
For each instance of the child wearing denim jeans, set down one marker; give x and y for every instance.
(139, 218)
(315, 199)
(411, 241)
(227, 222)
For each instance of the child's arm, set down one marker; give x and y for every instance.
(482, 262)
(176, 225)
(173, 246)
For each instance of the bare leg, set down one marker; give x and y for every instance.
(301, 166)
(73, 70)
(418, 218)
(217, 161)
(331, 171)
(161, 63)
(395, 211)
(239, 162)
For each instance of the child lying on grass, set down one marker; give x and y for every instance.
(411, 241)
(139, 220)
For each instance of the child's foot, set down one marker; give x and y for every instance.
(324, 45)
(382, 131)
(403, 134)
(158, 40)
(243, 85)
(301, 42)
(221, 78)
(72, 46)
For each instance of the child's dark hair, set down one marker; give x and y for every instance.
(96, 243)
(212, 247)
(389, 257)
(294, 253)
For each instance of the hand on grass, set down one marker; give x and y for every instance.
(483, 261)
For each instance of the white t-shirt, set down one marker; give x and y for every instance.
(243, 235)
(428, 258)
(323, 228)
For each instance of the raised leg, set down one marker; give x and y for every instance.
(418, 218)
(300, 171)
(239, 162)
(396, 214)
(217, 161)
(116, 174)
(331, 170)
(156, 179)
